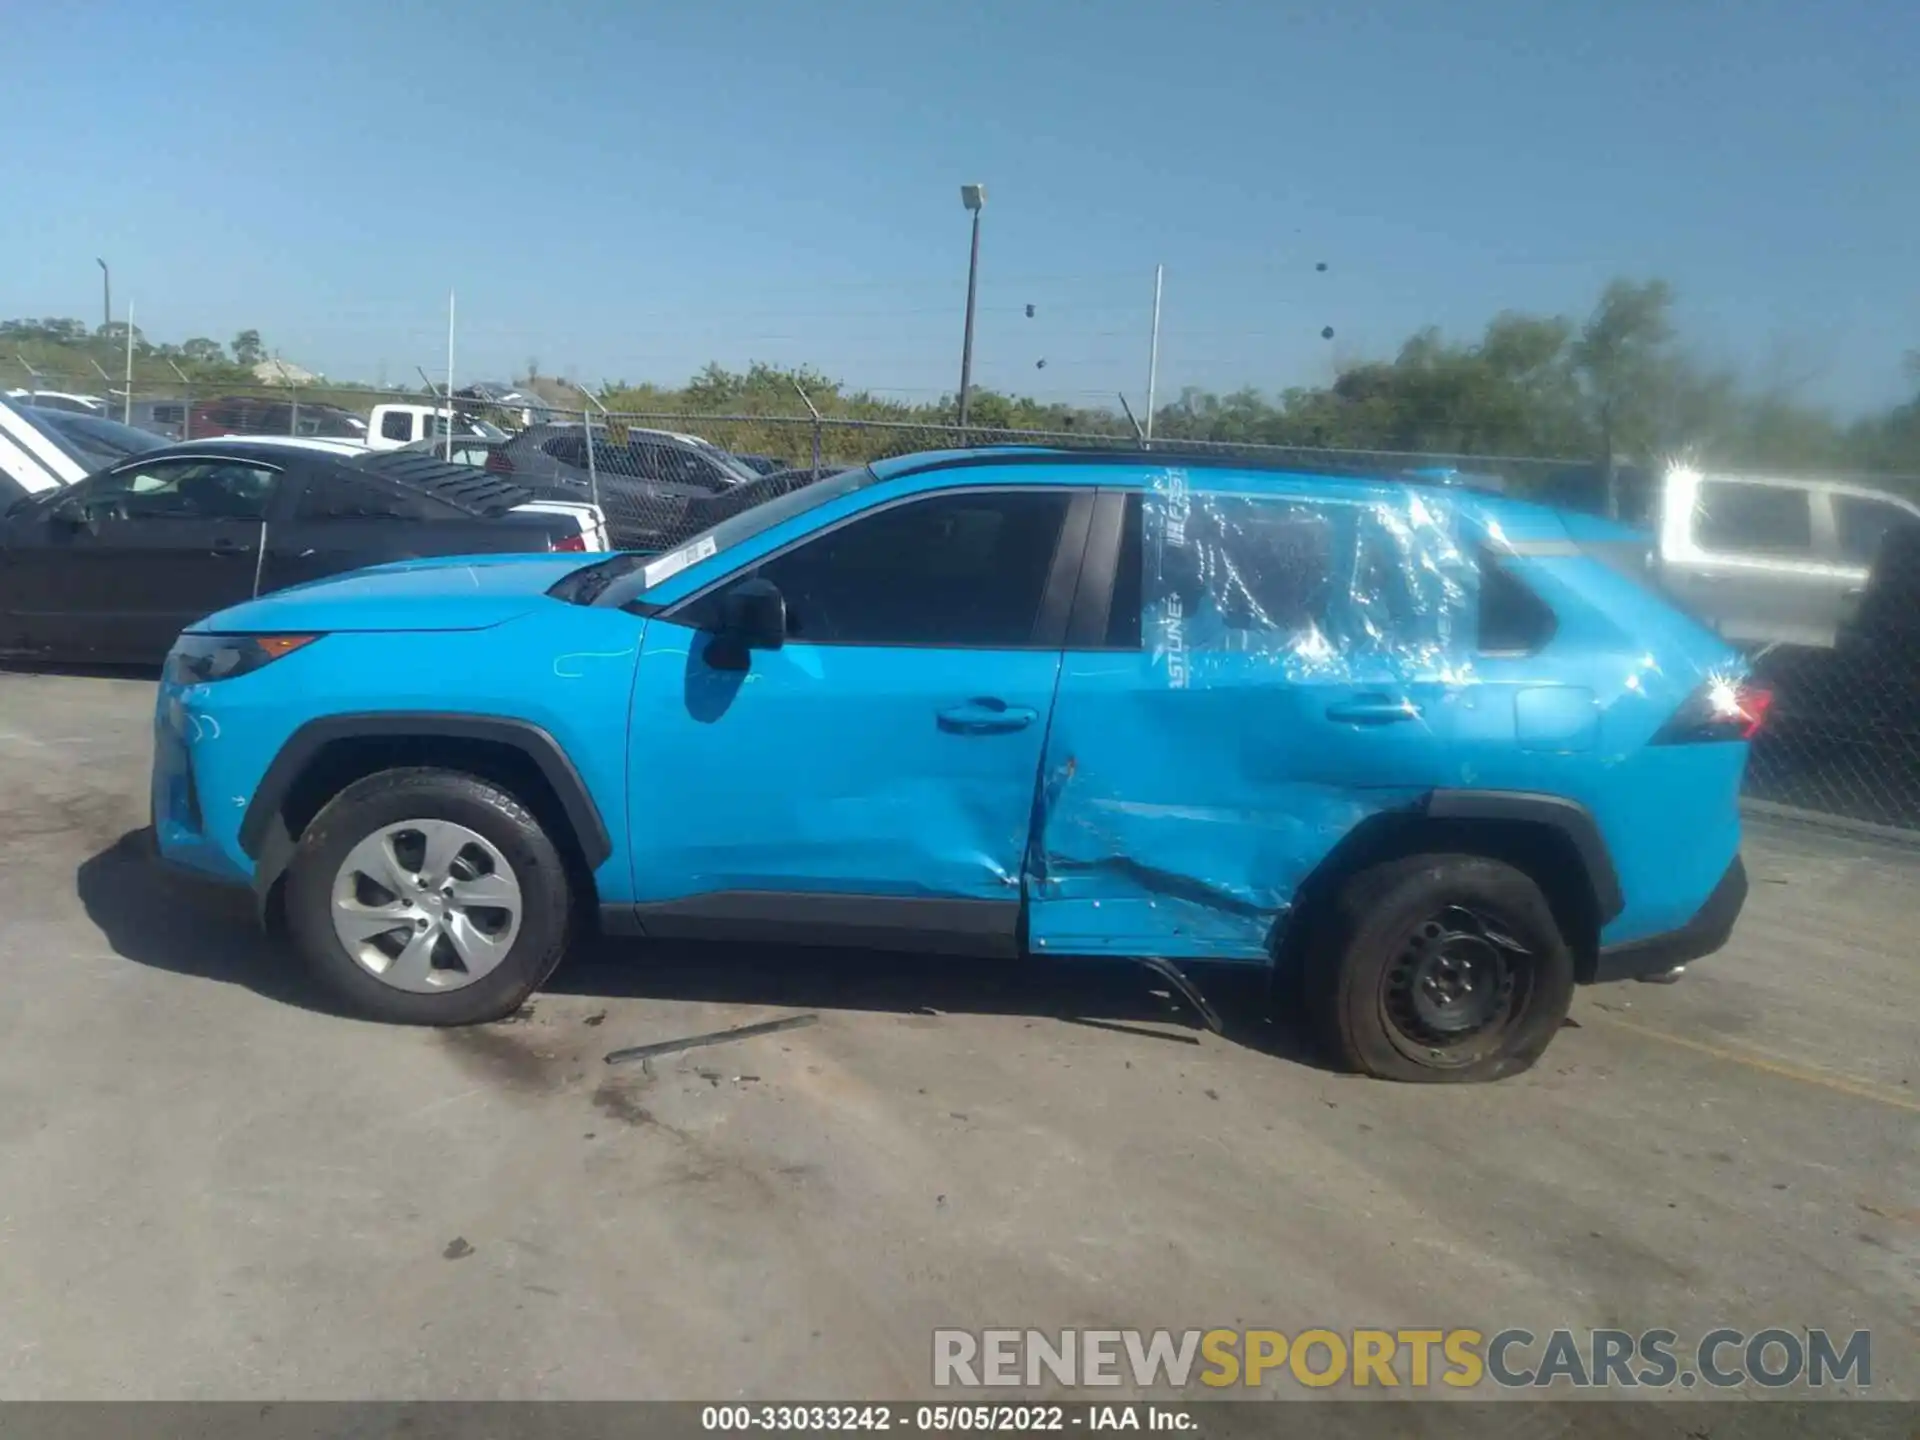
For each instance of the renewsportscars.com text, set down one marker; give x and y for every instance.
(1416, 1359)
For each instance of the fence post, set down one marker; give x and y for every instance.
(807, 400)
(593, 472)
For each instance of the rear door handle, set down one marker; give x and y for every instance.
(1372, 710)
(986, 715)
(230, 547)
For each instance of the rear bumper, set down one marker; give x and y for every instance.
(1699, 937)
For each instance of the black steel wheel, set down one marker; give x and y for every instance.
(1439, 968)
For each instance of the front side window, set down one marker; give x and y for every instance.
(396, 425)
(185, 490)
(965, 569)
(1737, 518)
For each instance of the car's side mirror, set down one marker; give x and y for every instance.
(754, 615)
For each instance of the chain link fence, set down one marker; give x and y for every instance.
(1836, 629)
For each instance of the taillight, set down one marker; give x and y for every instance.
(577, 542)
(1719, 710)
(498, 463)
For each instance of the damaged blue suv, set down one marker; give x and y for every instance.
(1430, 752)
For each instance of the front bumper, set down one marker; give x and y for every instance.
(1705, 933)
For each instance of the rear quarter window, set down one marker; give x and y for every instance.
(1511, 618)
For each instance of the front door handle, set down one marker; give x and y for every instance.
(230, 547)
(986, 715)
(1372, 710)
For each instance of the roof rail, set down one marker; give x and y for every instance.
(1207, 459)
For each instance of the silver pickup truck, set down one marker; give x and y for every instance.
(1772, 561)
(1768, 561)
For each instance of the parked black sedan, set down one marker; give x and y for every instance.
(114, 566)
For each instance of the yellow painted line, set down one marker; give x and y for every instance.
(1785, 1069)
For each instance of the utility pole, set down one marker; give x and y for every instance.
(448, 450)
(126, 412)
(1153, 350)
(974, 197)
(106, 295)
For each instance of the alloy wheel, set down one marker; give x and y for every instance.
(426, 906)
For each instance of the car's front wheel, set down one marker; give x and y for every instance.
(1439, 968)
(428, 897)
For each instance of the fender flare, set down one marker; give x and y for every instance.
(261, 827)
(1569, 817)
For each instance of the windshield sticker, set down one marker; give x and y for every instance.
(668, 566)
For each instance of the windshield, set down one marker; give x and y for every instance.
(754, 508)
(732, 464)
(98, 440)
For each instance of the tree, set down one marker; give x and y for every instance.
(115, 334)
(247, 349)
(1622, 357)
(202, 351)
(59, 332)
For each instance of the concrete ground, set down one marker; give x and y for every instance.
(209, 1188)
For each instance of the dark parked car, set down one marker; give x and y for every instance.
(98, 440)
(251, 415)
(647, 482)
(114, 566)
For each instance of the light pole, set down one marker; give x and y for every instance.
(974, 197)
(106, 295)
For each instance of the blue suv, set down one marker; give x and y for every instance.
(1429, 752)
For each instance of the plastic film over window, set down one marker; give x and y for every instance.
(1373, 589)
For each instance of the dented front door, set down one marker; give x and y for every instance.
(887, 751)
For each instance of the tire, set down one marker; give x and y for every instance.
(357, 859)
(1438, 968)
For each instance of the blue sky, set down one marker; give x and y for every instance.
(625, 190)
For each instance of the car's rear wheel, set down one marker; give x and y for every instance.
(428, 897)
(1439, 968)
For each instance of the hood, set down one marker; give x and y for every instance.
(465, 592)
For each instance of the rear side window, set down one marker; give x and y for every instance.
(1738, 518)
(345, 497)
(1123, 613)
(396, 425)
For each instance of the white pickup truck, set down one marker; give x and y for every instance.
(402, 423)
(1771, 560)
(1767, 560)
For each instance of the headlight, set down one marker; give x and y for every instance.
(199, 659)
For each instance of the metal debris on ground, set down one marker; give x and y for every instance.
(717, 1037)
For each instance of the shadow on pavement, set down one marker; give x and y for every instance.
(154, 918)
